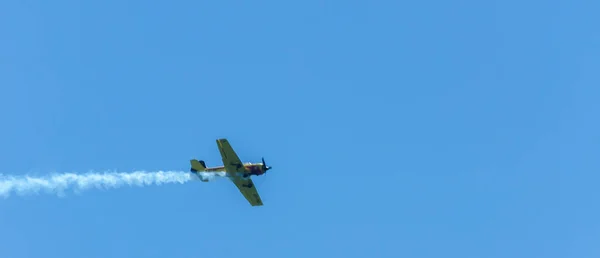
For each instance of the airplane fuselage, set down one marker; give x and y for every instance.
(251, 169)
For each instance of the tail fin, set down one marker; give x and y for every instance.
(197, 165)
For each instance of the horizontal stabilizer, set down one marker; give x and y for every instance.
(197, 165)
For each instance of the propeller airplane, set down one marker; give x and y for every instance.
(238, 172)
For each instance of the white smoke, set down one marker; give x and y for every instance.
(59, 183)
(210, 175)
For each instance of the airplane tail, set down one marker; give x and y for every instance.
(197, 165)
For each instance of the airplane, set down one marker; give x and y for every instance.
(238, 172)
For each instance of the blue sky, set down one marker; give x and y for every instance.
(395, 129)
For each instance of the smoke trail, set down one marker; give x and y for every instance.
(58, 183)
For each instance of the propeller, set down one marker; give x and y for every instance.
(264, 166)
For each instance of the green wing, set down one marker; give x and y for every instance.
(234, 165)
(247, 188)
(231, 161)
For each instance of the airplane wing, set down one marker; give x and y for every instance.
(232, 165)
(231, 161)
(247, 188)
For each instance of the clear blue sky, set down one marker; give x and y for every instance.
(395, 129)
